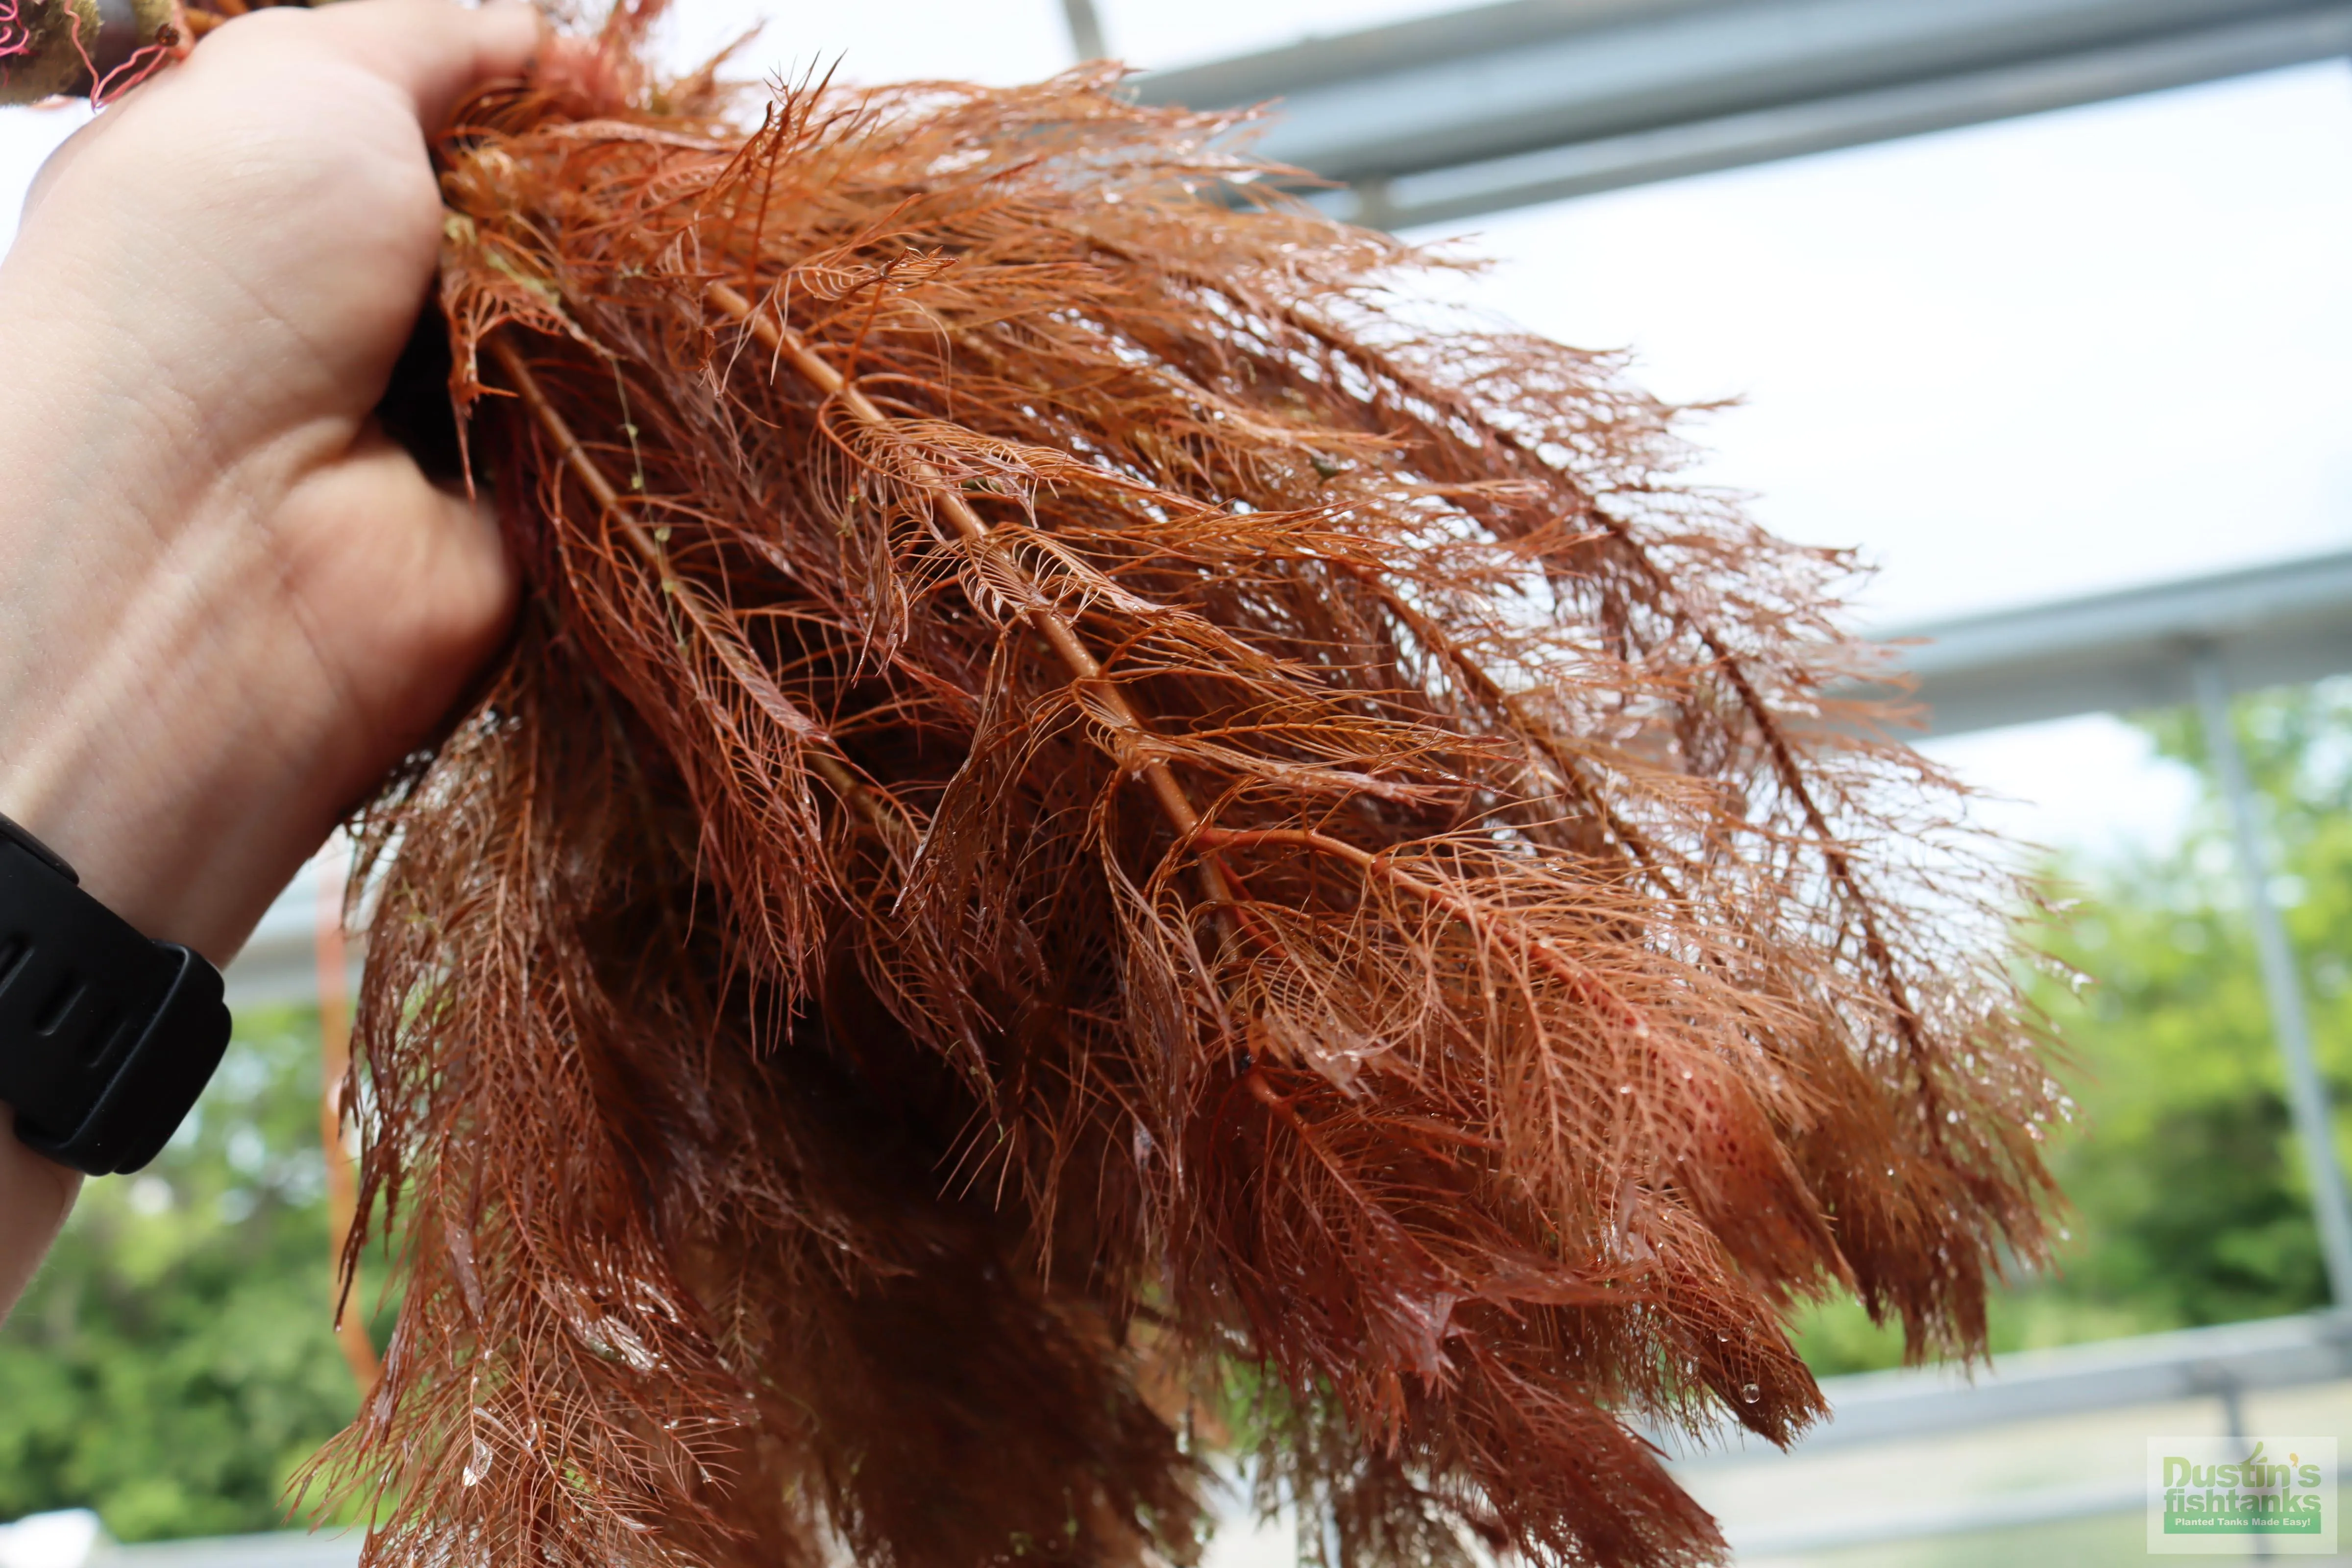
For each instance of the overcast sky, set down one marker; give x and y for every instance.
(2010, 363)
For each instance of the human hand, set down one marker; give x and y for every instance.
(227, 601)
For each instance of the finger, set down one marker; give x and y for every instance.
(434, 52)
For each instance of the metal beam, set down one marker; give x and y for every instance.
(2222, 1364)
(1879, 1407)
(2265, 625)
(1449, 116)
(1086, 29)
(1911, 1519)
(2306, 1091)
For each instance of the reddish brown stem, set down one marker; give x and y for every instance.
(779, 338)
(891, 828)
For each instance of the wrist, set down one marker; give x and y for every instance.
(36, 1195)
(156, 729)
(182, 813)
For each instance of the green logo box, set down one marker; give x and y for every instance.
(2220, 1495)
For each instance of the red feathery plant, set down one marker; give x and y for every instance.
(1095, 841)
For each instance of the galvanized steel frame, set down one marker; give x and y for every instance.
(1471, 111)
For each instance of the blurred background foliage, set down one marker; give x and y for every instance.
(173, 1366)
(2189, 1201)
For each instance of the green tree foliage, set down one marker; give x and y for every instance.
(173, 1364)
(2189, 1204)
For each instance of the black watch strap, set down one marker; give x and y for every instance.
(106, 1039)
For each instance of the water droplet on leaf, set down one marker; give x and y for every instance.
(477, 1464)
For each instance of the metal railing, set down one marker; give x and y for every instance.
(1471, 111)
(2223, 1365)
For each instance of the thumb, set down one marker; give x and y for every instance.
(435, 52)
